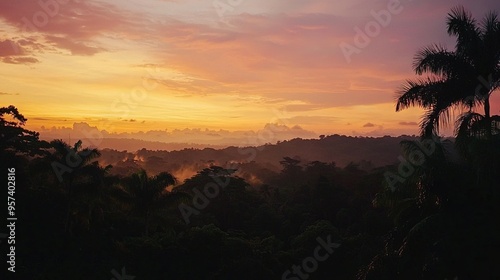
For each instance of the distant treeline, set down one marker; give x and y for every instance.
(367, 152)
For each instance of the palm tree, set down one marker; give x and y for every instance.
(74, 160)
(147, 195)
(94, 194)
(434, 209)
(460, 79)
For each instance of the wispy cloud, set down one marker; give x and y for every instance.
(408, 123)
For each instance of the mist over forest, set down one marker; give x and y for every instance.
(252, 162)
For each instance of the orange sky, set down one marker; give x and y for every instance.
(129, 66)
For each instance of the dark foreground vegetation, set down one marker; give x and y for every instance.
(435, 215)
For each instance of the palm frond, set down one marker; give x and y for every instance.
(462, 25)
(59, 146)
(89, 154)
(490, 25)
(431, 123)
(469, 127)
(426, 231)
(468, 124)
(437, 60)
(421, 93)
(78, 145)
(490, 33)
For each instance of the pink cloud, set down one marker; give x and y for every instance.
(12, 52)
(76, 48)
(9, 48)
(294, 57)
(67, 24)
(255, 50)
(20, 60)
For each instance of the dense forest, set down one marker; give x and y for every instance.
(434, 213)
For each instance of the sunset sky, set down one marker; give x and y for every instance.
(232, 65)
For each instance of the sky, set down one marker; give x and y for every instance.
(306, 67)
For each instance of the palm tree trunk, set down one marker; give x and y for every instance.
(487, 117)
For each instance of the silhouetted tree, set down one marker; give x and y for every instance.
(69, 164)
(147, 195)
(443, 194)
(14, 138)
(462, 78)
